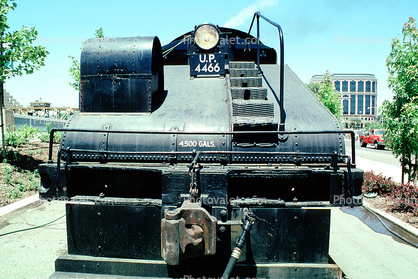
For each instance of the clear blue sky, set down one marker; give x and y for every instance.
(336, 35)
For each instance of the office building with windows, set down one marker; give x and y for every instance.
(358, 95)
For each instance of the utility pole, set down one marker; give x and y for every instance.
(2, 104)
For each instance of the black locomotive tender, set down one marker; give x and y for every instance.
(185, 153)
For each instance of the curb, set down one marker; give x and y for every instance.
(11, 207)
(412, 230)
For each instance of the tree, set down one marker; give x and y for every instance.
(18, 55)
(17, 47)
(314, 87)
(401, 115)
(355, 122)
(326, 94)
(74, 69)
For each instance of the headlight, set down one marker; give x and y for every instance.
(206, 36)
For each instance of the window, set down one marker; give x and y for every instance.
(367, 104)
(345, 86)
(373, 86)
(337, 85)
(353, 104)
(352, 86)
(360, 104)
(360, 86)
(373, 104)
(345, 107)
(368, 83)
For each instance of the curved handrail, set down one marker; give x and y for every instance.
(281, 41)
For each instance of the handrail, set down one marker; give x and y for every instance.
(352, 135)
(281, 41)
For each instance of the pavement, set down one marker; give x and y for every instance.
(392, 170)
(364, 249)
(32, 253)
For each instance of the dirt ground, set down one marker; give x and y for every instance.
(19, 178)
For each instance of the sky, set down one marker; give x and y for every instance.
(335, 35)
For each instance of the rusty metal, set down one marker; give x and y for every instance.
(187, 231)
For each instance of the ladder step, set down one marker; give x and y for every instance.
(253, 109)
(249, 93)
(246, 82)
(240, 65)
(243, 72)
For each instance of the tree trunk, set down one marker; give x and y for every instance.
(403, 174)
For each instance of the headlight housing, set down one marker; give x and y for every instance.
(206, 36)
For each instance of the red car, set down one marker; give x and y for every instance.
(375, 137)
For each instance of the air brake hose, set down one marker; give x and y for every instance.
(236, 253)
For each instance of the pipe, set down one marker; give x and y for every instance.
(236, 253)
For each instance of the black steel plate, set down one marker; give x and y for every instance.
(207, 64)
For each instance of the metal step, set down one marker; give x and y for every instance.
(249, 93)
(76, 266)
(243, 72)
(241, 65)
(247, 108)
(246, 82)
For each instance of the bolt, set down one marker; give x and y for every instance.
(222, 229)
(223, 212)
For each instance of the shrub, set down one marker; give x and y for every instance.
(44, 136)
(377, 183)
(15, 137)
(404, 197)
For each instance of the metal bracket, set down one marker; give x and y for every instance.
(187, 231)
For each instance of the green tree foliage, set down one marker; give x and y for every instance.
(74, 69)
(326, 94)
(354, 122)
(401, 115)
(17, 47)
(314, 87)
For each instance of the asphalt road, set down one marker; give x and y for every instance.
(376, 160)
(369, 152)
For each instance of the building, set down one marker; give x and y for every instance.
(38, 105)
(358, 95)
(10, 102)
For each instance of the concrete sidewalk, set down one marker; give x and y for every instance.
(32, 253)
(394, 172)
(363, 248)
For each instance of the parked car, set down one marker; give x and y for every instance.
(375, 137)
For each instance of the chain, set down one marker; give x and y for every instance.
(194, 191)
